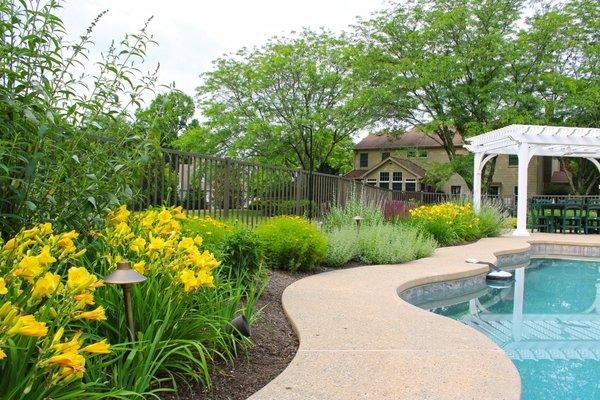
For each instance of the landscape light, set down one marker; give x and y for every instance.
(240, 325)
(358, 218)
(125, 277)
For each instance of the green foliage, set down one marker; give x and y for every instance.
(343, 215)
(393, 243)
(468, 67)
(257, 101)
(167, 117)
(213, 232)
(67, 150)
(491, 220)
(342, 246)
(242, 254)
(278, 207)
(291, 243)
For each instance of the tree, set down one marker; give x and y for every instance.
(167, 116)
(294, 102)
(476, 65)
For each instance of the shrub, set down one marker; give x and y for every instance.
(491, 221)
(278, 207)
(242, 254)
(59, 128)
(343, 215)
(291, 243)
(393, 243)
(213, 231)
(342, 246)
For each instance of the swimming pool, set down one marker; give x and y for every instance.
(547, 321)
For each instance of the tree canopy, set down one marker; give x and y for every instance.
(264, 103)
(470, 66)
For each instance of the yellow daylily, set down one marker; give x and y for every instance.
(45, 258)
(46, 285)
(98, 314)
(100, 347)
(78, 279)
(3, 289)
(138, 244)
(29, 267)
(26, 325)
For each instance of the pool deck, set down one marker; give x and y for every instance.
(359, 340)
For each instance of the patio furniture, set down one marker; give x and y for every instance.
(572, 217)
(591, 220)
(554, 213)
(540, 218)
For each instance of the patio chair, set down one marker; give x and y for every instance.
(591, 221)
(572, 217)
(540, 220)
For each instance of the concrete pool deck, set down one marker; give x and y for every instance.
(359, 340)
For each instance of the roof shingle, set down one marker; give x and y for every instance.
(411, 138)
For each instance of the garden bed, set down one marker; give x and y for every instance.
(275, 345)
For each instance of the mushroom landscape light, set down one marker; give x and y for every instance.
(125, 277)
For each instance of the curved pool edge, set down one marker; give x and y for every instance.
(359, 340)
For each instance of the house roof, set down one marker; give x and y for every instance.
(411, 138)
(410, 166)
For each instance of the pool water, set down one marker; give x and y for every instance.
(548, 322)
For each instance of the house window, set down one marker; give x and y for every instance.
(384, 180)
(494, 190)
(455, 189)
(397, 177)
(397, 186)
(513, 160)
(516, 190)
(364, 160)
(422, 153)
(410, 185)
(371, 182)
(385, 155)
(411, 153)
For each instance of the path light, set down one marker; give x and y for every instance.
(358, 218)
(495, 273)
(125, 277)
(240, 325)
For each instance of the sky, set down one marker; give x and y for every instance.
(190, 34)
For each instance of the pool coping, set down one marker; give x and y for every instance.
(359, 340)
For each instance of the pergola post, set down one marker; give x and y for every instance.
(477, 167)
(524, 158)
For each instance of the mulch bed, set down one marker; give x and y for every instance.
(275, 344)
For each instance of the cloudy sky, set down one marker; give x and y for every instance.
(192, 33)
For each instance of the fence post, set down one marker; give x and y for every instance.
(298, 192)
(226, 189)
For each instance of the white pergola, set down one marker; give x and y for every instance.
(527, 141)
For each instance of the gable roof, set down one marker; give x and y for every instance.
(411, 138)
(403, 163)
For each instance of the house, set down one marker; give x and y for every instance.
(400, 162)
